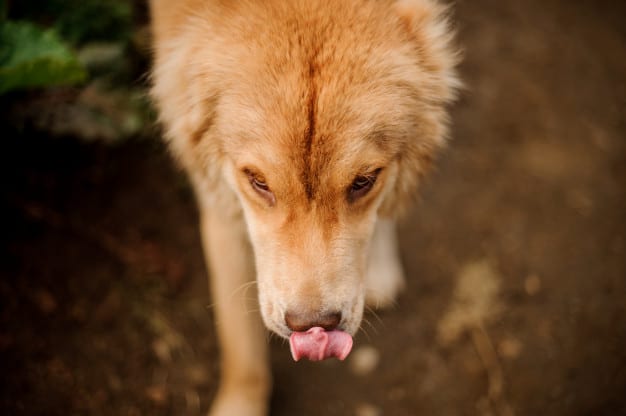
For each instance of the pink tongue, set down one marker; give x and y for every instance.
(317, 344)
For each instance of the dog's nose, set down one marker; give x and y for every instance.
(300, 322)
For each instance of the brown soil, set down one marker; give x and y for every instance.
(516, 256)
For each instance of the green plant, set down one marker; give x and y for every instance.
(33, 57)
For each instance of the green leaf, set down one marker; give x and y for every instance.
(32, 57)
(93, 20)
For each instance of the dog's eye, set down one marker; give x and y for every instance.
(361, 185)
(261, 187)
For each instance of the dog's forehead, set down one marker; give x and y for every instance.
(316, 109)
(340, 132)
(324, 95)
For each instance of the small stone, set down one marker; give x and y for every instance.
(510, 348)
(532, 285)
(162, 350)
(158, 394)
(366, 409)
(364, 360)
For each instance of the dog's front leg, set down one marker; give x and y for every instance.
(385, 275)
(245, 375)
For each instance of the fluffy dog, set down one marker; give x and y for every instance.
(305, 127)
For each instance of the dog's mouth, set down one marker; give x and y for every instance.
(328, 336)
(318, 344)
(319, 320)
(315, 336)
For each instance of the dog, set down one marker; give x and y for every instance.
(305, 127)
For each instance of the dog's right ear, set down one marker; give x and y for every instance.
(431, 46)
(429, 30)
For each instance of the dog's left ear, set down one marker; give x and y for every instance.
(428, 27)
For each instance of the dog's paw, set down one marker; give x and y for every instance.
(239, 402)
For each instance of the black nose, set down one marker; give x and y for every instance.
(300, 322)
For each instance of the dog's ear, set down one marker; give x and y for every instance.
(428, 26)
(435, 82)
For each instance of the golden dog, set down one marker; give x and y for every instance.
(304, 127)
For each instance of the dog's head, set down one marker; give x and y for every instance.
(321, 118)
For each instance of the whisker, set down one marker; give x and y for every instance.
(243, 287)
(375, 314)
(367, 321)
(367, 335)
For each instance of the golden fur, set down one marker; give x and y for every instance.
(273, 108)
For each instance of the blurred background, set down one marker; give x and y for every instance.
(515, 256)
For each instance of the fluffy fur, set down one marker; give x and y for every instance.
(275, 108)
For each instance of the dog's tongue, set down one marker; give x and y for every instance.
(317, 344)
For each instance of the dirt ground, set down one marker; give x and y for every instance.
(516, 255)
